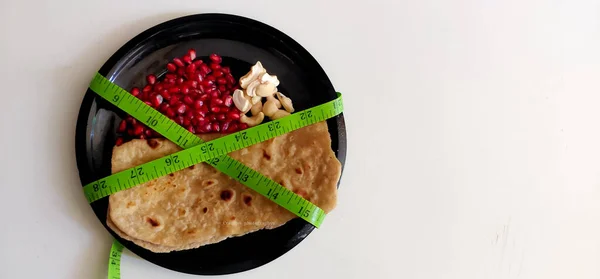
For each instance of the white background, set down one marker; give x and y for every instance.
(473, 135)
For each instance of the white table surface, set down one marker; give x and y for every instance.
(473, 136)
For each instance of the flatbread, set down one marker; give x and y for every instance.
(199, 205)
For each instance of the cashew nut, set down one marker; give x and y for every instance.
(279, 114)
(277, 102)
(256, 99)
(266, 78)
(286, 102)
(254, 120)
(254, 73)
(266, 89)
(251, 90)
(256, 108)
(270, 107)
(241, 101)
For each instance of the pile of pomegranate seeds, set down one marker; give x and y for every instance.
(195, 94)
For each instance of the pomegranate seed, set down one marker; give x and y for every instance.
(191, 83)
(212, 117)
(222, 88)
(181, 72)
(205, 69)
(234, 127)
(190, 69)
(147, 89)
(138, 130)
(179, 120)
(151, 79)
(221, 117)
(222, 81)
(163, 107)
(130, 120)
(148, 133)
(224, 109)
(204, 97)
(174, 90)
(207, 127)
(165, 93)
(216, 127)
(214, 66)
(148, 103)
(243, 126)
(216, 102)
(215, 95)
(207, 83)
(188, 100)
(227, 101)
(198, 104)
(197, 77)
(200, 119)
(185, 89)
(170, 76)
(156, 100)
(226, 70)
(225, 126)
(191, 129)
(142, 136)
(122, 126)
(203, 111)
(187, 122)
(119, 141)
(192, 54)
(170, 113)
(215, 58)
(181, 108)
(198, 62)
(187, 59)
(230, 80)
(135, 91)
(130, 132)
(158, 87)
(218, 73)
(178, 62)
(171, 67)
(173, 101)
(215, 109)
(211, 78)
(233, 115)
(179, 81)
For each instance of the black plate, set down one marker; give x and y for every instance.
(241, 42)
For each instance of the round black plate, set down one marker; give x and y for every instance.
(241, 41)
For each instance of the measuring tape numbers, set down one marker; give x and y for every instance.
(213, 152)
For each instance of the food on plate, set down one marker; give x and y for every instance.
(199, 205)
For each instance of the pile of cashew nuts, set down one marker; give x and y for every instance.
(258, 84)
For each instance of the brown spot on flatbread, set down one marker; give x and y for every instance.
(191, 167)
(248, 200)
(170, 174)
(226, 195)
(281, 183)
(205, 210)
(266, 155)
(181, 212)
(298, 170)
(300, 192)
(232, 218)
(152, 222)
(191, 231)
(153, 143)
(130, 204)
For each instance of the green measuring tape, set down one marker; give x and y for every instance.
(114, 260)
(212, 152)
(196, 151)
